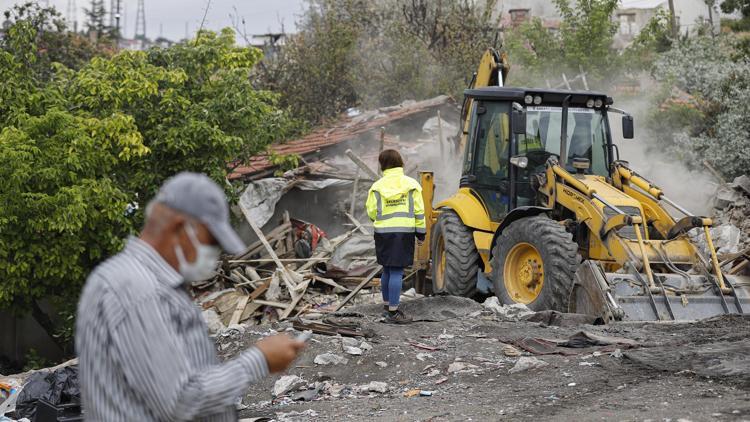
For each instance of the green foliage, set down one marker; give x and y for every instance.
(707, 110)
(653, 39)
(284, 162)
(78, 144)
(584, 39)
(731, 6)
(34, 361)
(37, 38)
(360, 53)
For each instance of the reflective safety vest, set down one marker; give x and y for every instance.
(395, 204)
(530, 143)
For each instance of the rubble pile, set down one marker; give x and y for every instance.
(731, 232)
(293, 270)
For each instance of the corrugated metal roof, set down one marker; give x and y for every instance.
(347, 128)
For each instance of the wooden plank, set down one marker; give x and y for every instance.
(357, 224)
(361, 164)
(356, 290)
(354, 193)
(289, 237)
(295, 301)
(241, 304)
(272, 303)
(271, 252)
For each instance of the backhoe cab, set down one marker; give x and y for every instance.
(550, 216)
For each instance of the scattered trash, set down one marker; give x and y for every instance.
(412, 393)
(425, 393)
(286, 384)
(330, 359)
(54, 387)
(511, 351)
(306, 395)
(571, 384)
(525, 363)
(441, 380)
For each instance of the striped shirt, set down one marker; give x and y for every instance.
(143, 347)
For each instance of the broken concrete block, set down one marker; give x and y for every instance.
(365, 346)
(512, 312)
(286, 384)
(356, 351)
(458, 367)
(742, 183)
(527, 362)
(376, 387)
(725, 197)
(349, 341)
(381, 364)
(330, 359)
(213, 321)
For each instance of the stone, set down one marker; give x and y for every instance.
(458, 367)
(365, 346)
(512, 312)
(330, 359)
(725, 197)
(286, 384)
(742, 183)
(213, 321)
(376, 387)
(525, 363)
(381, 364)
(349, 341)
(356, 351)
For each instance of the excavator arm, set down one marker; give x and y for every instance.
(492, 71)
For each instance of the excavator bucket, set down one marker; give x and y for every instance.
(627, 296)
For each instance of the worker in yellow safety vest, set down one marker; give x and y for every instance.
(395, 206)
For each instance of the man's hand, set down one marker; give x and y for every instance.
(279, 351)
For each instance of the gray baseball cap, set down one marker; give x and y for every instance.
(196, 195)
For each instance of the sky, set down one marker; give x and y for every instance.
(170, 17)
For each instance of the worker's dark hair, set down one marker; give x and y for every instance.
(390, 158)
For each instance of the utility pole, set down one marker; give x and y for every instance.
(140, 21)
(673, 20)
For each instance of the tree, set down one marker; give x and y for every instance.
(79, 145)
(731, 6)
(95, 19)
(584, 39)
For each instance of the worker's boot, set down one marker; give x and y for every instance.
(396, 317)
(385, 310)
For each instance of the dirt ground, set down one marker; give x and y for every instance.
(696, 371)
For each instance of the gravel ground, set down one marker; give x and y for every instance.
(679, 371)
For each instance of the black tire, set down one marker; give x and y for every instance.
(559, 256)
(451, 237)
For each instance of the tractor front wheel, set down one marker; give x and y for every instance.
(455, 260)
(533, 262)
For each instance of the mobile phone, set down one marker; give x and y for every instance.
(304, 336)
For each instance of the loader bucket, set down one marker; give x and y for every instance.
(626, 296)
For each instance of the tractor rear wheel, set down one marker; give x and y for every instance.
(455, 260)
(533, 262)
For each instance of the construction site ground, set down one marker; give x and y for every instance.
(679, 371)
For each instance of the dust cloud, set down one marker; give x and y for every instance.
(691, 189)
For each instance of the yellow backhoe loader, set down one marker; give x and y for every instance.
(549, 216)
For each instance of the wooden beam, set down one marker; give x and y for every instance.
(241, 304)
(356, 290)
(357, 224)
(361, 164)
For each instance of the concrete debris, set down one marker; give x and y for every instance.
(731, 215)
(461, 367)
(286, 384)
(349, 342)
(296, 416)
(512, 312)
(213, 321)
(525, 363)
(381, 364)
(375, 387)
(330, 359)
(365, 346)
(355, 351)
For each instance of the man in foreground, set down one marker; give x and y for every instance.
(143, 347)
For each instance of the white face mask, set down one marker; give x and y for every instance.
(206, 258)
